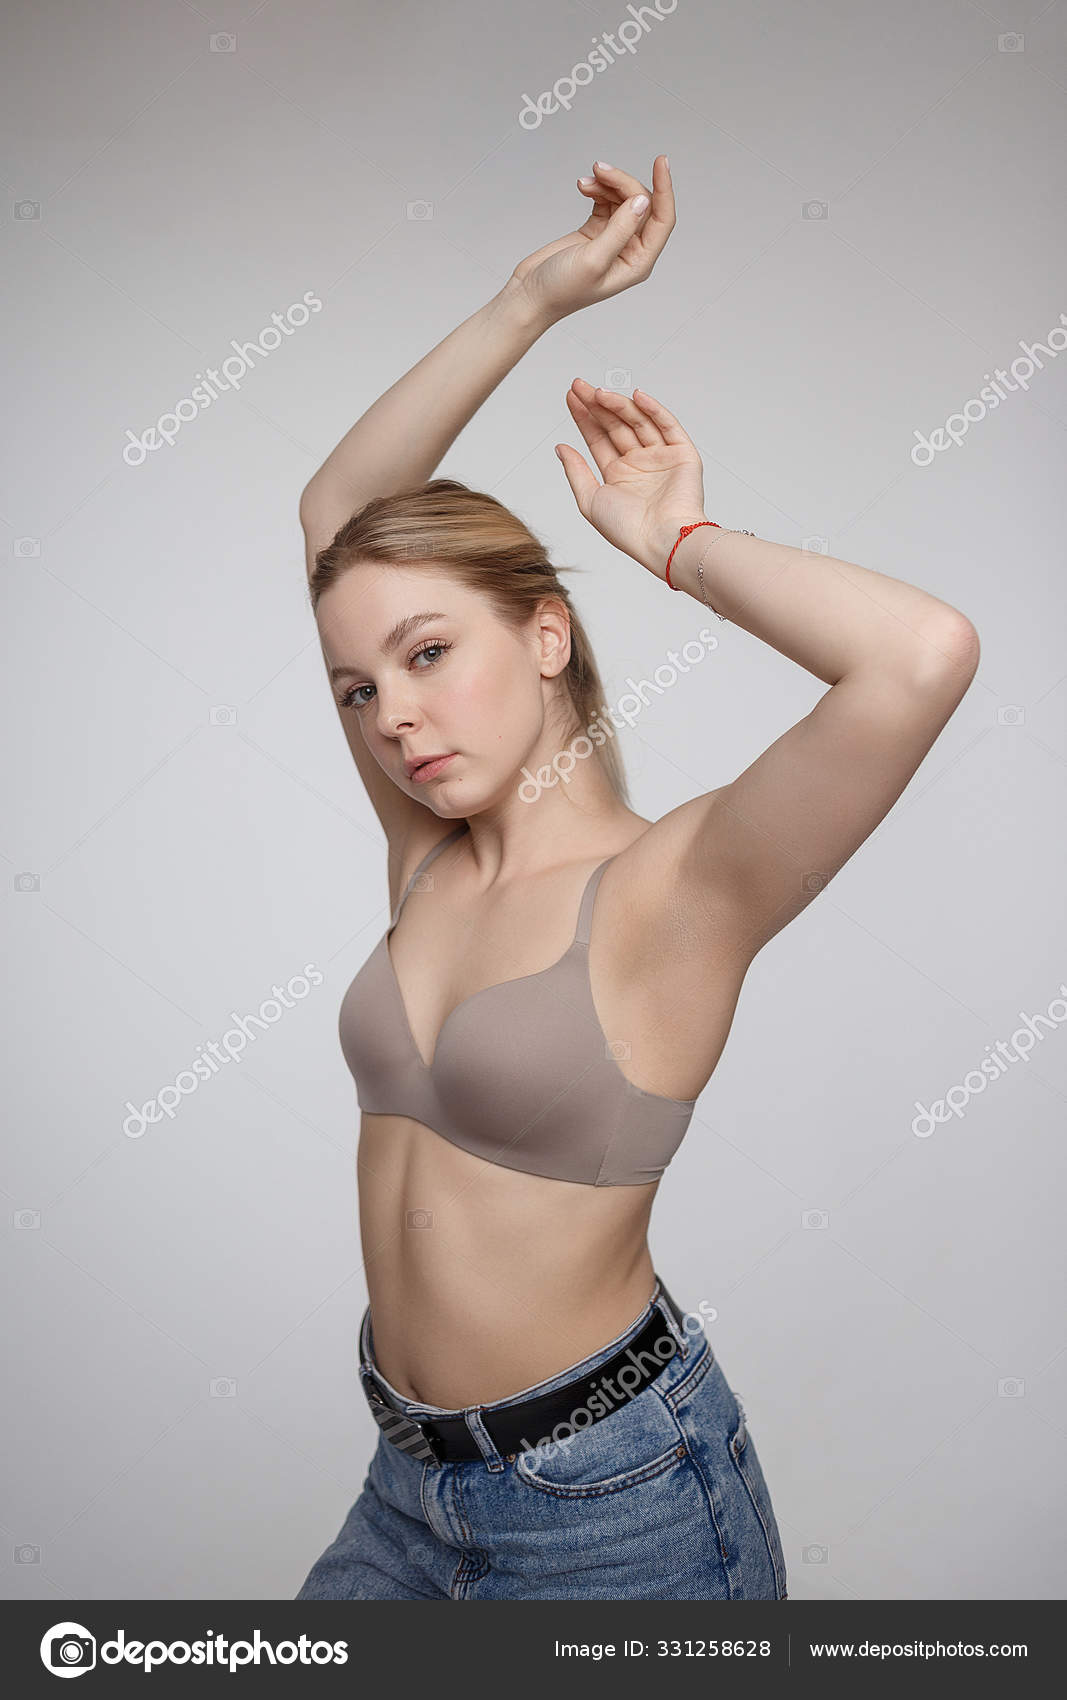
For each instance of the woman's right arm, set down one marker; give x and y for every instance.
(396, 445)
(400, 440)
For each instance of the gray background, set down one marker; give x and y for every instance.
(184, 866)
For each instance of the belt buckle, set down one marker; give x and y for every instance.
(405, 1433)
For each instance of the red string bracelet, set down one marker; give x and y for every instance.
(686, 529)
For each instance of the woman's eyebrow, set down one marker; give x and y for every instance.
(393, 639)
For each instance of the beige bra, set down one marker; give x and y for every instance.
(522, 1073)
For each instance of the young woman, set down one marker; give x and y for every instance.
(559, 976)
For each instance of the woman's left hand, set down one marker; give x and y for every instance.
(614, 249)
(653, 477)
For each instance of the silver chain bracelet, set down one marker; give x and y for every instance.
(738, 531)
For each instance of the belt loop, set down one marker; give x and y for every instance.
(482, 1438)
(366, 1358)
(365, 1347)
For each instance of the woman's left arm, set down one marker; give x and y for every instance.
(897, 659)
(898, 662)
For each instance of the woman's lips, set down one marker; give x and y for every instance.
(430, 770)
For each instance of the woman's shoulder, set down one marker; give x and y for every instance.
(423, 841)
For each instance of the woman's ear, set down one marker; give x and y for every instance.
(554, 631)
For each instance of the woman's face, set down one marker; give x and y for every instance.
(459, 683)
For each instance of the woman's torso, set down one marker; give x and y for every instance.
(483, 1279)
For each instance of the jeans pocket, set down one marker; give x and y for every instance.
(635, 1442)
(746, 1461)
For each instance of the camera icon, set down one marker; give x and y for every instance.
(27, 1555)
(816, 209)
(618, 378)
(816, 545)
(422, 882)
(224, 44)
(1010, 1388)
(27, 209)
(24, 547)
(815, 1555)
(1011, 714)
(27, 882)
(418, 1218)
(815, 882)
(815, 1219)
(1010, 43)
(69, 1647)
(223, 1387)
(619, 1049)
(223, 714)
(24, 1219)
(420, 209)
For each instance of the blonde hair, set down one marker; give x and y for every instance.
(486, 548)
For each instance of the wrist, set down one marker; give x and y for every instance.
(513, 304)
(665, 538)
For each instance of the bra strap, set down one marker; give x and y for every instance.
(423, 865)
(585, 913)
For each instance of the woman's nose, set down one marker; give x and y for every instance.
(394, 717)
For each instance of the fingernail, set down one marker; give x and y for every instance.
(587, 179)
(603, 165)
(640, 203)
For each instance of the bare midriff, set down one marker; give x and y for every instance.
(484, 1280)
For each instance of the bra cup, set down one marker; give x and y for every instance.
(522, 1073)
(522, 1077)
(376, 1046)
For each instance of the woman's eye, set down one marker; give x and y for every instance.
(353, 699)
(440, 647)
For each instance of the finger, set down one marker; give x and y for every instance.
(596, 401)
(624, 183)
(663, 215)
(621, 227)
(583, 485)
(662, 417)
(599, 191)
(629, 415)
(593, 430)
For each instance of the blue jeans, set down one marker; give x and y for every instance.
(663, 1499)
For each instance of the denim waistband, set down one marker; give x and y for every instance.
(687, 1338)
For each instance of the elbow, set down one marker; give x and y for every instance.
(959, 639)
(950, 647)
(307, 505)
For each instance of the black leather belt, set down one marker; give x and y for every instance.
(519, 1428)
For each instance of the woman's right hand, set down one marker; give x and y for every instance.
(615, 248)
